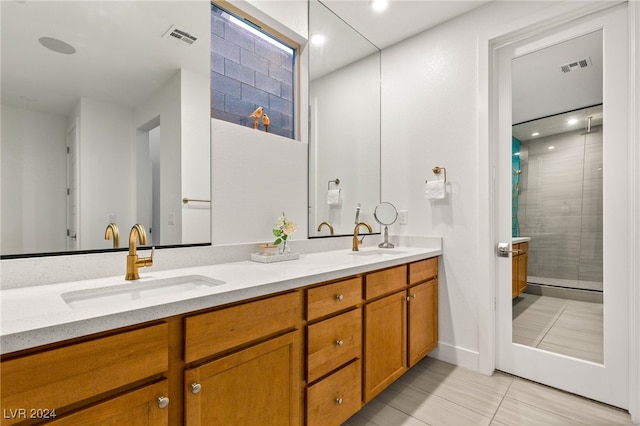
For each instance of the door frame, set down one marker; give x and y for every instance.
(72, 145)
(488, 45)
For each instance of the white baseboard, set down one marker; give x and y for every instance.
(457, 356)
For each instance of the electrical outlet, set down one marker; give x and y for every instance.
(171, 219)
(404, 217)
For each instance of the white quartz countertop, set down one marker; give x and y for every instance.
(518, 240)
(34, 316)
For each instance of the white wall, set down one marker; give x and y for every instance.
(287, 16)
(256, 177)
(432, 103)
(165, 105)
(196, 157)
(34, 181)
(106, 170)
(342, 129)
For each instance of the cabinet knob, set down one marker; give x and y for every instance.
(413, 296)
(196, 388)
(339, 297)
(339, 343)
(339, 401)
(163, 402)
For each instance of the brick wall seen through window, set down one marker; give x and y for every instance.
(250, 69)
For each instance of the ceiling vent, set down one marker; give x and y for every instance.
(179, 35)
(576, 65)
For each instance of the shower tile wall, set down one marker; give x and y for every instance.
(561, 208)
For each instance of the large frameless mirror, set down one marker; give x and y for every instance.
(105, 119)
(344, 140)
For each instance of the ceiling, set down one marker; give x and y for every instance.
(540, 88)
(129, 34)
(121, 55)
(402, 18)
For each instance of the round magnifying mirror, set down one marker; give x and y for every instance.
(385, 214)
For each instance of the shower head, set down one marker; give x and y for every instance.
(589, 127)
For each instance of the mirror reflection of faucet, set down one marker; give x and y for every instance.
(112, 232)
(133, 261)
(328, 225)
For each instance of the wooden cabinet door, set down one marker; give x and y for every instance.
(140, 407)
(385, 356)
(523, 258)
(514, 272)
(259, 385)
(423, 320)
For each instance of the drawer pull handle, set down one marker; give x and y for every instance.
(339, 401)
(163, 402)
(196, 388)
(339, 343)
(339, 298)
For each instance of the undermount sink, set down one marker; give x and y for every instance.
(138, 290)
(377, 252)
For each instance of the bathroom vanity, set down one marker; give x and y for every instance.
(303, 342)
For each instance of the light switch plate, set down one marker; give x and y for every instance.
(404, 217)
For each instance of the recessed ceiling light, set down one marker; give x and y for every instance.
(318, 39)
(551, 147)
(535, 134)
(379, 5)
(572, 121)
(56, 45)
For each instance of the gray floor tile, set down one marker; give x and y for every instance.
(430, 408)
(567, 327)
(564, 404)
(514, 413)
(435, 393)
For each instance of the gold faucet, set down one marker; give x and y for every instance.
(356, 241)
(112, 231)
(328, 224)
(133, 262)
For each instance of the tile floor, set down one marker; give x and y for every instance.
(568, 327)
(437, 393)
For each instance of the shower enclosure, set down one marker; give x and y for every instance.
(557, 187)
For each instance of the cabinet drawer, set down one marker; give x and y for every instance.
(333, 342)
(60, 377)
(386, 281)
(333, 400)
(423, 270)
(214, 332)
(330, 298)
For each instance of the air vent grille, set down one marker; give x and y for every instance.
(576, 65)
(180, 36)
